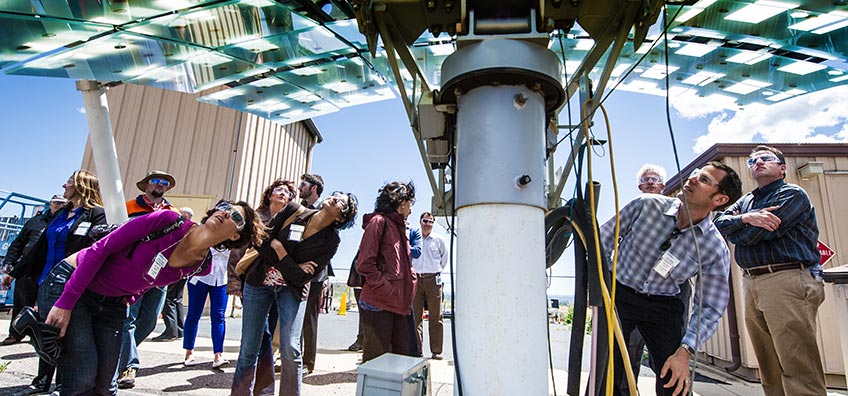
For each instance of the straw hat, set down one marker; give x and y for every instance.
(155, 174)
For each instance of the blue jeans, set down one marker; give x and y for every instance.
(93, 345)
(48, 293)
(139, 324)
(197, 293)
(257, 302)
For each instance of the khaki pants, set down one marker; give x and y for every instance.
(428, 290)
(780, 314)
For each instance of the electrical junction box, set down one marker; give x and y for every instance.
(393, 375)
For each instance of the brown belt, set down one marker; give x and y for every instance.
(771, 268)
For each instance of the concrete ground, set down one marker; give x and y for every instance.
(162, 371)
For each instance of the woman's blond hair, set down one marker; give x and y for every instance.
(86, 189)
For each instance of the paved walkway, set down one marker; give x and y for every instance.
(335, 371)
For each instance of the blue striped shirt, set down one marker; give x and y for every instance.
(647, 222)
(795, 240)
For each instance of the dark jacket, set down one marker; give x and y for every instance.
(319, 247)
(384, 262)
(32, 264)
(26, 239)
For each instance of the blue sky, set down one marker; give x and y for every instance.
(44, 135)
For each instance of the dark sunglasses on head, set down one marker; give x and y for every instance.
(161, 182)
(235, 215)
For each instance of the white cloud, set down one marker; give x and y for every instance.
(809, 118)
(81, 110)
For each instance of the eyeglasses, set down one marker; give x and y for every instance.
(427, 221)
(703, 178)
(339, 197)
(765, 158)
(161, 182)
(667, 244)
(650, 179)
(235, 215)
(282, 190)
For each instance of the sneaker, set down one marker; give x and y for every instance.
(436, 356)
(355, 347)
(191, 361)
(306, 371)
(127, 379)
(220, 363)
(278, 366)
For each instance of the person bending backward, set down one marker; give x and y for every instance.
(657, 254)
(275, 197)
(289, 259)
(310, 188)
(384, 261)
(775, 235)
(95, 285)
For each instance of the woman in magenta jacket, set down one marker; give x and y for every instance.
(384, 261)
(97, 284)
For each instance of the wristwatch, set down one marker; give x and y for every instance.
(687, 348)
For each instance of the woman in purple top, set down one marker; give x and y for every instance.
(153, 250)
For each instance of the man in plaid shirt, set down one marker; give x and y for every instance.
(664, 242)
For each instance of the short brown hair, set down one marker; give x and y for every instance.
(776, 152)
(730, 184)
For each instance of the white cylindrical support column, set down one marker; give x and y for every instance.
(501, 313)
(501, 339)
(504, 90)
(103, 149)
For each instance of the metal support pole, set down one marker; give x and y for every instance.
(503, 90)
(103, 149)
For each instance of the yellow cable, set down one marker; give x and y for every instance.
(593, 221)
(628, 369)
(609, 298)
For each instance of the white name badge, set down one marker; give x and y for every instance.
(665, 264)
(296, 232)
(82, 228)
(158, 263)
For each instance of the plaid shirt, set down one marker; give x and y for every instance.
(795, 240)
(647, 222)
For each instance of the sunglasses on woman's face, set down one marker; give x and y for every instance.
(341, 200)
(281, 190)
(235, 215)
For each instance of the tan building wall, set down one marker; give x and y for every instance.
(827, 193)
(210, 150)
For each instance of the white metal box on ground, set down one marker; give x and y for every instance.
(393, 375)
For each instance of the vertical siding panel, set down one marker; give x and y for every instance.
(201, 145)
